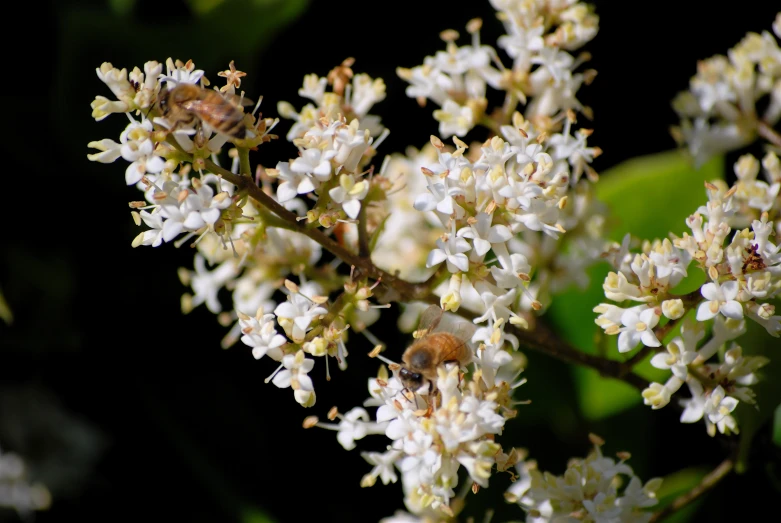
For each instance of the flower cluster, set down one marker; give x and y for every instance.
(16, 490)
(719, 112)
(743, 269)
(241, 246)
(490, 230)
(729, 241)
(433, 432)
(539, 34)
(593, 489)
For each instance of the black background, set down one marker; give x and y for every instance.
(175, 426)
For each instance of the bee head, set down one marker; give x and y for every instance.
(162, 101)
(411, 380)
(420, 359)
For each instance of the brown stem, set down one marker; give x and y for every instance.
(768, 133)
(363, 235)
(707, 483)
(541, 339)
(404, 289)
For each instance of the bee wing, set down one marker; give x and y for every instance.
(464, 331)
(216, 111)
(238, 100)
(430, 319)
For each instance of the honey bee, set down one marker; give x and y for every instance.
(432, 349)
(187, 104)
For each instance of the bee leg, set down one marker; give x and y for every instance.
(407, 393)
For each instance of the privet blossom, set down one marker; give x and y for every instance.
(16, 489)
(729, 239)
(490, 231)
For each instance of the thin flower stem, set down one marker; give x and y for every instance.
(244, 166)
(707, 483)
(541, 339)
(768, 133)
(363, 234)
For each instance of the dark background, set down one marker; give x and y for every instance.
(129, 409)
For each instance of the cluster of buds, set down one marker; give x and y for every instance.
(730, 243)
(596, 488)
(719, 112)
(542, 75)
(491, 229)
(432, 433)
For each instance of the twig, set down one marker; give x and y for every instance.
(363, 235)
(768, 133)
(707, 483)
(541, 339)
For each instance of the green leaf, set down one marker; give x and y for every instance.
(777, 426)
(750, 418)
(201, 7)
(5, 310)
(254, 515)
(377, 233)
(648, 197)
(122, 7)
(651, 196)
(676, 484)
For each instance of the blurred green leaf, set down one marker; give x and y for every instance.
(122, 7)
(201, 7)
(651, 196)
(777, 426)
(750, 418)
(5, 311)
(648, 197)
(255, 516)
(676, 484)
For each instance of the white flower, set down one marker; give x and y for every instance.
(513, 272)
(452, 249)
(439, 198)
(154, 235)
(296, 314)
(638, 328)
(296, 366)
(497, 305)
(673, 309)
(483, 234)
(180, 73)
(260, 334)
(293, 183)
(353, 426)
(454, 119)
(677, 358)
(192, 210)
(718, 406)
(720, 299)
(207, 284)
(383, 465)
(350, 194)
(315, 162)
(109, 151)
(136, 146)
